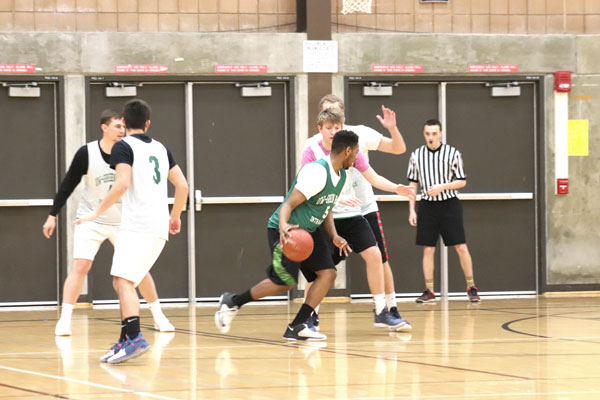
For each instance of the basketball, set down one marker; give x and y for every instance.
(299, 245)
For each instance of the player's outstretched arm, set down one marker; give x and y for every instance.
(178, 180)
(385, 184)
(395, 143)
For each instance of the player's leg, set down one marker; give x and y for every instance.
(135, 254)
(147, 289)
(282, 276)
(87, 240)
(428, 231)
(453, 233)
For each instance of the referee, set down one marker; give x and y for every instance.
(438, 168)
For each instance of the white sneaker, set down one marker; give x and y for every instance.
(226, 313)
(302, 332)
(63, 328)
(162, 324)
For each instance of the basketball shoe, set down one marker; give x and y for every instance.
(427, 297)
(63, 327)
(302, 332)
(162, 324)
(130, 349)
(403, 328)
(385, 319)
(313, 321)
(226, 313)
(472, 293)
(114, 349)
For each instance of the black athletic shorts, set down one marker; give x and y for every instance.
(374, 219)
(283, 271)
(358, 234)
(435, 218)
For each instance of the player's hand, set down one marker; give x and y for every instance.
(342, 244)
(174, 225)
(49, 226)
(350, 201)
(435, 190)
(389, 118)
(284, 232)
(406, 191)
(87, 217)
(412, 218)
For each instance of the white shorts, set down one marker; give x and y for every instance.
(135, 254)
(88, 237)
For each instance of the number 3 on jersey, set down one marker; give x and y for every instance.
(156, 176)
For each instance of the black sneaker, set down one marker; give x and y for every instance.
(427, 297)
(472, 293)
(302, 332)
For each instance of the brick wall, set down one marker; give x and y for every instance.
(459, 16)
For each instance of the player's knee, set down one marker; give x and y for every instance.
(82, 267)
(327, 274)
(462, 249)
(428, 251)
(372, 257)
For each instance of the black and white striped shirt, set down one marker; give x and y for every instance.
(436, 167)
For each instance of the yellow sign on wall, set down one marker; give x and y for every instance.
(578, 137)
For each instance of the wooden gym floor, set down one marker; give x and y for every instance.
(528, 348)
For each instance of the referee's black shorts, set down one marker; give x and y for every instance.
(435, 218)
(284, 271)
(358, 234)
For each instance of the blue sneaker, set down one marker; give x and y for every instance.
(130, 349)
(114, 349)
(404, 328)
(385, 319)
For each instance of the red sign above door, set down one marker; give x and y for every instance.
(240, 69)
(397, 68)
(493, 68)
(141, 69)
(17, 68)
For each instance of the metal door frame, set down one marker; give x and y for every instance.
(188, 83)
(59, 151)
(539, 161)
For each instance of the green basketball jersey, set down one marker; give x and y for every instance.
(311, 214)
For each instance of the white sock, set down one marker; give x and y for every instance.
(390, 300)
(67, 311)
(156, 310)
(379, 300)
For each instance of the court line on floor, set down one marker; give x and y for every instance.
(502, 395)
(58, 396)
(82, 382)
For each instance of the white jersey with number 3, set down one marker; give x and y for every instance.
(145, 203)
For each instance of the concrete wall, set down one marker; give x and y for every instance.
(573, 256)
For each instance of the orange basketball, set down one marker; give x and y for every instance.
(299, 245)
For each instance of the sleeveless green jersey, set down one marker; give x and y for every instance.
(311, 214)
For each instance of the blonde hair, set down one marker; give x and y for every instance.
(330, 115)
(331, 98)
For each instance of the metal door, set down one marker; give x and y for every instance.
(167, 99)
(241, 147)
(413, 104)
(29, 265)
(497, 137)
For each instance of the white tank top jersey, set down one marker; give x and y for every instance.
(98, 181)
(368, 140)
(145, 203)
(340, 210)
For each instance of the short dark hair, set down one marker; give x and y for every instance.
(136, 112)
(108, 115)
(433, 122)
(342, 140)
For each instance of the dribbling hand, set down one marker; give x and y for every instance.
(284, 232)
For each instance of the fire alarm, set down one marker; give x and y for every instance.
(562, 81)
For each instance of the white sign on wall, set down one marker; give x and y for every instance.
(320, 56)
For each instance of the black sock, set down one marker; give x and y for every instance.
(133, 327)
(303, 314)
(241, 299)
(123, 331)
